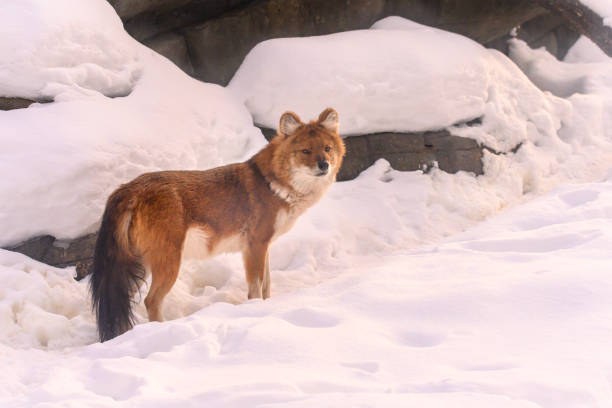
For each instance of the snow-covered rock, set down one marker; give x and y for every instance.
(377, 80)
(61, 160)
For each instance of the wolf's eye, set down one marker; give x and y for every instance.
(327, 148)
(306, 151)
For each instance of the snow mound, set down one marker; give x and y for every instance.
(62, 160)
(41, 306)
(587, 86)
(377, 80)
(398, 76)
(41, 53)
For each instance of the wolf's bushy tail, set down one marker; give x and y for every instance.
(117, 272)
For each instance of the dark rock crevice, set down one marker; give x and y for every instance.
(60, 253)
(153, 21)
(10, 103)
(209, 39)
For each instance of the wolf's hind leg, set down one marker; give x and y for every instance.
(164, 271)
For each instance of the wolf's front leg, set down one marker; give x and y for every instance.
(266, 278)
(255, 264)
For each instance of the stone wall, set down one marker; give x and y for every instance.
(546, 30)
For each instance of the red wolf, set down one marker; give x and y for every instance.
(159, 218)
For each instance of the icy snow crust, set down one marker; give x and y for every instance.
(378, 297)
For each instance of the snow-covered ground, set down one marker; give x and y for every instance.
(516, 312)
(397, 289)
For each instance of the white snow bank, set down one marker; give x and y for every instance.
(41, 52)
(60, 161)
(588, 87)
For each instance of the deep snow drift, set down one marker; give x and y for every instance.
(378, 297)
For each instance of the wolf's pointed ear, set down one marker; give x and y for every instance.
(289, 122)
(329, 119)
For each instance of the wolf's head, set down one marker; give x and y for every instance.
(310, 154)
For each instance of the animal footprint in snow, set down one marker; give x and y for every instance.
(576, 198)
(310, 317)
(367, 366)
(421, 339)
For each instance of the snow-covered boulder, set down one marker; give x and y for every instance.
(399, 76)
(378, 80)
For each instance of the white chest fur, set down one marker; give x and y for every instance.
(298, 204)
(285, 220)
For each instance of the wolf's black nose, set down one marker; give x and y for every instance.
(323, 165)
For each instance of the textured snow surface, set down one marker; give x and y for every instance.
(516, 312)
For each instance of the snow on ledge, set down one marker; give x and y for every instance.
(378, 80)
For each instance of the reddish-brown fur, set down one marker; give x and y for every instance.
(242, 206)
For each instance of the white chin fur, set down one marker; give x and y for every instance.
(306, 180)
